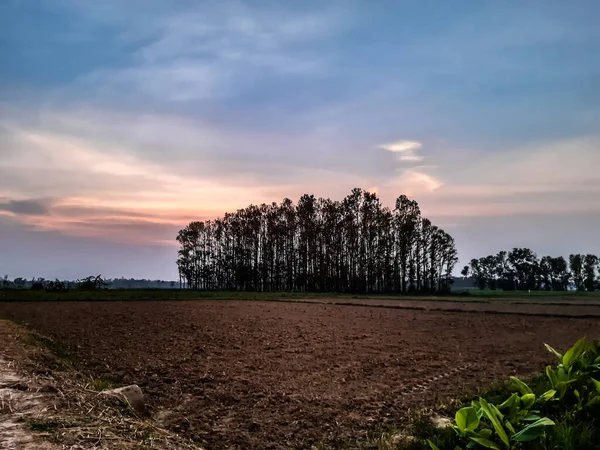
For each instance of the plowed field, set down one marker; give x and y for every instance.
(286, 375)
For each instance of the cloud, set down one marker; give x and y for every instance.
(217, 51)
(101, 181)
(405, 149)
(539, 178)
(34, 207)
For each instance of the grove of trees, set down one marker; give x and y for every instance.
(353, 245)
(91, 282)
(521, 269)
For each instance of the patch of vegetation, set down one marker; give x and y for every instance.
(48, 425)
(100, 384)
(473, 296)
(557, 410)
(61, 357)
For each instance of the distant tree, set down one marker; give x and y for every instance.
(38, 284)
(521, 269)
(19, 282)
(56, 286)
(92, 282)
(589, 270)
(560, 274)
(465, 271)
(525, 264)
(576, 266)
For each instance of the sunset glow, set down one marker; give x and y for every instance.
(183, 113)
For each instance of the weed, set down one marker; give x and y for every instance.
(100, 384)
(569, 435)
(45, 425)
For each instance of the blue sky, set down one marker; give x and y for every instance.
(122, 120)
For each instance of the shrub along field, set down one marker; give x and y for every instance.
(241, 374)
(558, 410)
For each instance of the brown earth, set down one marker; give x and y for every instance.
(587, 309)
(287, 375)
(47, 405)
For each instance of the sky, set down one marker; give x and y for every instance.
(123, 120)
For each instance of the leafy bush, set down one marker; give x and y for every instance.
(572, 399)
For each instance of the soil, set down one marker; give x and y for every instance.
(589, 309)
(18, 403)
(289, 375)
(45, 404)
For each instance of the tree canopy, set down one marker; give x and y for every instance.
(521, 269)
(352, 245)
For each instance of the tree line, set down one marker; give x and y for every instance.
(91, 282)
(521, 269)
(352, 245)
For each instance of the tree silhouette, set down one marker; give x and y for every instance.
(353, 245)
(521, 269)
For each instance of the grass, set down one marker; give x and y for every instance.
(61, 357)
(157, 294)
(100, 384)
(573, 430)
(15, 295)
(47, 425)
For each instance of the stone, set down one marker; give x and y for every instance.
(131, 395)
(441, 422)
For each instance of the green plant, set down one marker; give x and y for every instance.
(502, 426)
(573, 377)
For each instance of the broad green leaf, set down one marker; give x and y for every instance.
(551, 376)
(574, 353)
(597, 384)
(485, 442)
(532, 418)
(509, 427)
(432, 445)
(548, 395)
(593, 401)
(485, 432)
(499, 415)
(561, 388)
(558, 355)
(561, 374)
(510, 402)
(533, 430)
(527, 401)
(519, 386)
(491, 414)
(466, 419)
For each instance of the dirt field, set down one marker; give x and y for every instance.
(583, 309)
(286, 375)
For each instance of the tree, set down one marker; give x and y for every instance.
(353, 245)
(576, 266)
(525, 265)
(589, 270)
(92, 282)
(19, 282)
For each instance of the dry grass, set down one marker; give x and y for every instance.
(55, 402)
